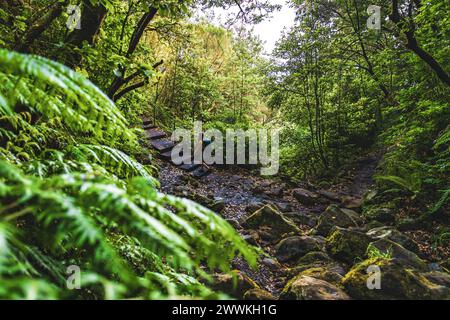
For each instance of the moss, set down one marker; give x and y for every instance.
(397, 282)
(322, 273)
(346, 245)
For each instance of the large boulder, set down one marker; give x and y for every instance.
(258, 294)
(305, 197)
(396, 282)
(292, 248)
(317, 262)
(305, 287)
(347, 245)
(393, 234)
(235, 283)
(388, 248)
(335, 216)
(269, 216)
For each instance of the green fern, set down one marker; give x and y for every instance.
(71, 194)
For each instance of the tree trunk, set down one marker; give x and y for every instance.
(92, 18)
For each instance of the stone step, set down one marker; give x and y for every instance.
(148, 126)
(166, 155)
(162, 145)
(155, 134)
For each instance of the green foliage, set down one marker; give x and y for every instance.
(70, 196)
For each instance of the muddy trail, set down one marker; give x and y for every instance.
(284, 220)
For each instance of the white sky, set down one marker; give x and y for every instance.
(269, 31)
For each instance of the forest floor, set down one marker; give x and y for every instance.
(236, 193)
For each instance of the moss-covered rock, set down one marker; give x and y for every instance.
(335, 216)
(388, 248)
(292, 248)
(397, 282)
(347, 245)
(234, 283)
(258, 294)
(271, 217)
(305, 287)
(323, 273)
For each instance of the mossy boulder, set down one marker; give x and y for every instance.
(271, 217)
(385, 215)
(390, 249)
(305, 287)
(235, 283)
(393, 234)
(335, 216)
(396, 282)
(316, 261)
(258, 294)
(292, 248)
(323, 273)
(347, 245)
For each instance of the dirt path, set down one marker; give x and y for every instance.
(239, 192)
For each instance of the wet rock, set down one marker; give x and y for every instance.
(253, 206)
(304, 196)
(396, 282)
(309, 288)
(335, 216)
(388, 248)
(351, 202)
(234, 283)
(385, 215)
(329, 195)
(438, 277)
(258, 294)
(292, 248)
(393, 234)
(347, 245)
(268, 216)
(301, 218)
(272, 264)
